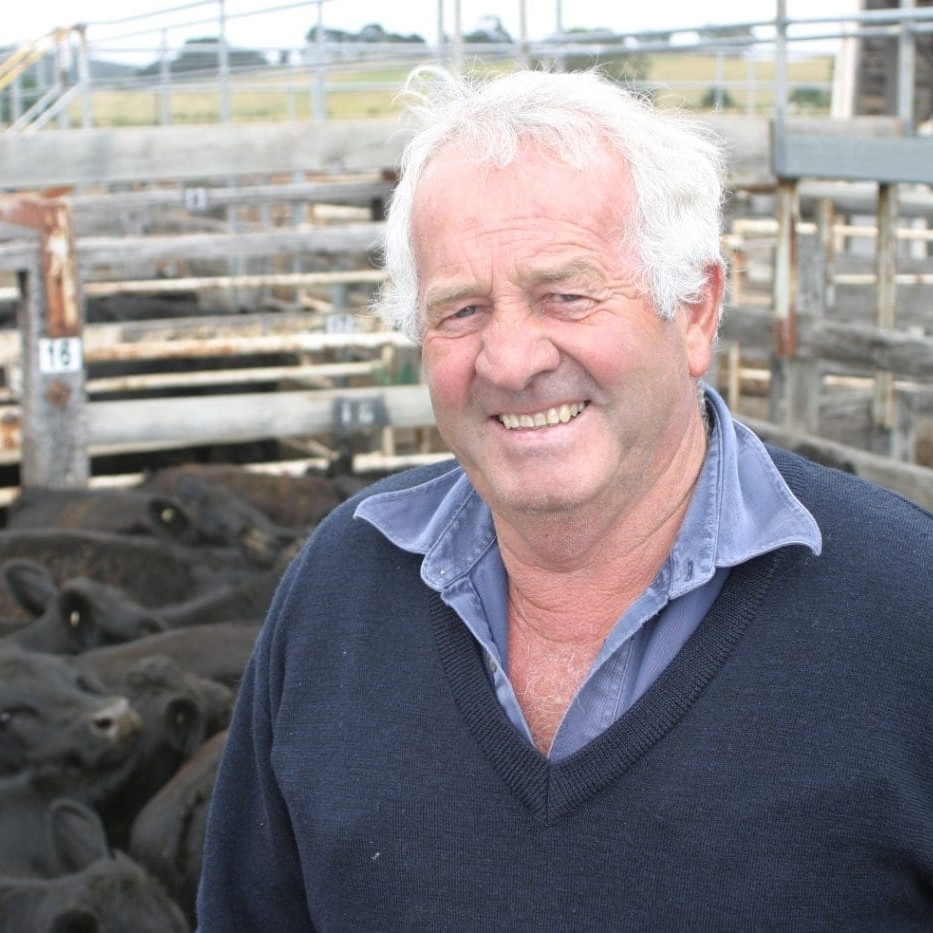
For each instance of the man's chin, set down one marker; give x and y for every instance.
(531, 501)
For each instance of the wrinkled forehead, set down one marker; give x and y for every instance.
(536, 178)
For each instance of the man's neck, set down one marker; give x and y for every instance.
(576, 557)
(571, 577)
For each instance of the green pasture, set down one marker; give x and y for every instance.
(684, 80)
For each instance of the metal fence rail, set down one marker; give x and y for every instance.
(58, 84)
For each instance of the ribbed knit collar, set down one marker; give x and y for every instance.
(550, 790)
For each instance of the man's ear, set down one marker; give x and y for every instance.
(701, 321)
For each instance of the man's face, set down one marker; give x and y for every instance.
(552, 378)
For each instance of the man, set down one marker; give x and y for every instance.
(618, 666)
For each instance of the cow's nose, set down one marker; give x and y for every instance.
(116, 721)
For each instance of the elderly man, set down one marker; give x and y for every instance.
(617, 666)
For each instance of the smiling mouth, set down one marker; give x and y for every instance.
(543, 419)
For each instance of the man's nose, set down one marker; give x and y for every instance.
(515, 349)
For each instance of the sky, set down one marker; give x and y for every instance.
(276, 24)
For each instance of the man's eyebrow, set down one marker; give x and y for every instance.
(440, 295)
(574, 269)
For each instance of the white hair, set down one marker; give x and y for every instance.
(676, 166)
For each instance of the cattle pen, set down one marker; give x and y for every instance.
(176, 287)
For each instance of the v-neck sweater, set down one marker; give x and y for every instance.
(777, 775)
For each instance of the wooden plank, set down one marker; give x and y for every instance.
(359, 191)
(888, 160)
(319, 375)
(140, 424)
(210, 348)
(861, 197)
(234, 326)
(129, 154)
(856, 345)
(196, 283)
(84, 157)
(116, 251)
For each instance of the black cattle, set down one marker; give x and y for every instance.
(246, 602)
(121, 511)
(198, 514)
(179, 711)
(76, 616)
(294, 502)
(123, 308)
(85, 887)
(155, 571)
(26, 846)
(217, 651)
(59, 722)
(83, 614)
(168, 833)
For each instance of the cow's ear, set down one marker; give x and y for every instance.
(31, 583)
(77, 835)
(169, 515)
(75, 920)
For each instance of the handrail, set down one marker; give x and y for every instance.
(35, 111)
(27, 53)
(54, 103)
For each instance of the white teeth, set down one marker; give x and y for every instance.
(543, 418)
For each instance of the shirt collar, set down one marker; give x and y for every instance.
(741, 508)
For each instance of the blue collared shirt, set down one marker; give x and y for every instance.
(741, 508)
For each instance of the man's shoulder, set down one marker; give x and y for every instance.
(829, 486)
(331, 561)
(858, 517)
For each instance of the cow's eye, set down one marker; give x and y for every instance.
(180, 715)
(87, 686)
(8, 716)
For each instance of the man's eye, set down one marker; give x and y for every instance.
(468, 311)
(571, 305)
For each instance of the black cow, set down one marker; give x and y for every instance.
(155, 571)
(294, 502)
(217, 651)
(168, 833)
(58, 721)
(86, 888)
(179, 711)
(26, 845)
(83, 614)
(80, 614)
(198, 514)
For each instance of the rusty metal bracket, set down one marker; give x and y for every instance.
(51, 217)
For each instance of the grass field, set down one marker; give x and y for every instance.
(694, 81)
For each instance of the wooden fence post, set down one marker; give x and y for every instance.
(795, 382)
(885, 309)
(54, 444)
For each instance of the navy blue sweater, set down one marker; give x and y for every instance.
(778, 775)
